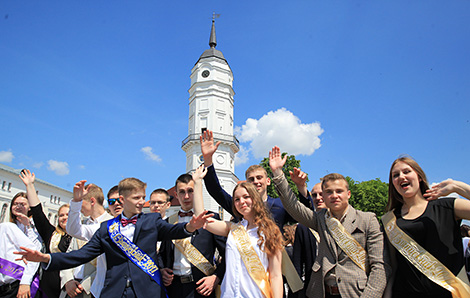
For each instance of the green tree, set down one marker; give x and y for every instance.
(291, 163)
(369, 195)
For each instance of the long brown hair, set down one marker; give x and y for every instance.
(268, 232)
(394, 198)
(18, 195)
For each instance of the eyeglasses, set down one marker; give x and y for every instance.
(113, 201)
(157, 202)
(19, 204)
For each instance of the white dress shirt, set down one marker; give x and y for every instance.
(11, 239)
(181, 265)
(32, 233)
(85, 231)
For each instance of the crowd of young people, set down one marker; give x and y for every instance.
(338, 251)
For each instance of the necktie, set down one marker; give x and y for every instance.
(183, 214)
(125, 222)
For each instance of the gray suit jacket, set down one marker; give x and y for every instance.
(364, 227)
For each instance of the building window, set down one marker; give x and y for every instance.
(52, 198)
(49, 217)
(3, 212)
(55, 200)
(58, 201)
(4, 184)
(55, 220)
(9, 186)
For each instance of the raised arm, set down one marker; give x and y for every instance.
(298, 211)
(28, 179)
(212, 182)
(447, 187)
(74, 225)
(208, 147)
(214, 226)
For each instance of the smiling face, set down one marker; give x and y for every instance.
(133, 202)
(243, 202)
(63, 216)
(20, 205)
(185, 193)
(116, 207)
(317, 196)
(260, 180)
(336, 195)
(405, 180)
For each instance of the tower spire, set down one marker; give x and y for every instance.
(213, 39)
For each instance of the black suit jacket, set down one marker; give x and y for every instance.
(205, 242)
(304, 255)
(148, 230)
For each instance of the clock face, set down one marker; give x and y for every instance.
(205, 73)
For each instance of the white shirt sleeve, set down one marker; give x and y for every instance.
(11, 239)
(74, 226)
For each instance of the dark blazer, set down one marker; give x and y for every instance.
(274, 205)
(148, 230)
(205, 242)
(304, 254)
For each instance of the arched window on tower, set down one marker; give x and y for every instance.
(3, 212)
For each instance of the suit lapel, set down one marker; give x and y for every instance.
(138, 226)
(350, 223)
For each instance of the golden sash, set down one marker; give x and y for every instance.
(425, 262)
(251, 259)
(346, 242)
(194, 256)
(315, 234)
(288, 270)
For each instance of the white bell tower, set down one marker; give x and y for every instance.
(211, 107)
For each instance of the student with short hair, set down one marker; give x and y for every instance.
(160, 201)
(114, 203)
(189, 269)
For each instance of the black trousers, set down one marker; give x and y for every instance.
(10, 290)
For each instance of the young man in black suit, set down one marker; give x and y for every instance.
(129, 242)
(180, 274)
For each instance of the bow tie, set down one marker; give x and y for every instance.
(125, 222)
(183, 214)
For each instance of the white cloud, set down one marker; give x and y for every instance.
(280, 128)
(242, 156)
(60, 168)
(148, 152)
(38, 165)
(6, 156)
(81, 167)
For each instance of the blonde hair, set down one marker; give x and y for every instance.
(128, 185)
(94, 191)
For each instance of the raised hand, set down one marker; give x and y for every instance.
(298, 177)
(27, 177)
(208, 147)
(276, 161)
(200, 173)
(79, 191)
(32, 255)
(447, 187)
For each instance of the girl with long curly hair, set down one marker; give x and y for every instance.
(254, 244)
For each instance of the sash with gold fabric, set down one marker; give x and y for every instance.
(425, 262)
(194, 256)
(288, 270)
(251, 259)
(346, 242)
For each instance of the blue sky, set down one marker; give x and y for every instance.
(347, 85)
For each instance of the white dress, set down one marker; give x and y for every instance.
(237, 281)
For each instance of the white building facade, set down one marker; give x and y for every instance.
(51, 196)
(211, 107)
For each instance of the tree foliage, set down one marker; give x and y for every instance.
(291, 163)
(369, 195)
